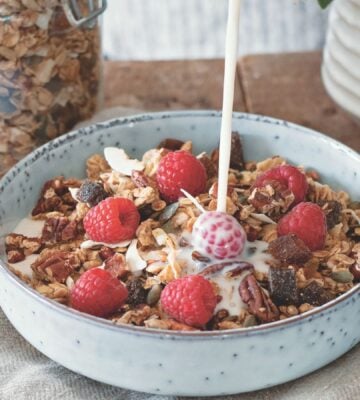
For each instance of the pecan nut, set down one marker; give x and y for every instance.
(141, 180)
(55, 265)
(257, 300)
(59, 230)
(116, 265)
(55, 196)
(19, 246)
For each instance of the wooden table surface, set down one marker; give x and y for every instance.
(286, 86)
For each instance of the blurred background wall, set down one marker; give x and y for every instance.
(178, 29)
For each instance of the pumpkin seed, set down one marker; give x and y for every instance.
(168, 212)
(154, 295)
(343, 276)
(250, 320)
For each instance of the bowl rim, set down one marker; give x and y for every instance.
(143, 331)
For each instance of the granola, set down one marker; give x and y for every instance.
(276, 278)
(49, 75)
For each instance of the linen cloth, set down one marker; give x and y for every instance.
(26, 374)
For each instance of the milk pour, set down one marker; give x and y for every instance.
(254, 253)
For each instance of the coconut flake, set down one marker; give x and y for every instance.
(133, 258)
(119, 161)
(89, 244)
(193, 200)
(74, 192)
(263, 218)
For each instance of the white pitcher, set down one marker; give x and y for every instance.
(341, 63)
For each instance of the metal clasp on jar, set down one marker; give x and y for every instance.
(76, 16)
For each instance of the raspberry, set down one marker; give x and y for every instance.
(98, 293)
(190, 300)
(180, 170)
(288, 176)
(112, 220)
(308, 222)
(217, 234)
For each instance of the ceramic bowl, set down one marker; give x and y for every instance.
(165, 362)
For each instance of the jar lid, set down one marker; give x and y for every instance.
(77, 18)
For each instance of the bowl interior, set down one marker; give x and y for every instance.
(262, 137)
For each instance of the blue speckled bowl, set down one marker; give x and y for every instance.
(165, 362)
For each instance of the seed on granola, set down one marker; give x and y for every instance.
(290, 250)
(91, 192)
(283, 288)
(168, 212)
(153, 295)
(342, 276)
(250, 320)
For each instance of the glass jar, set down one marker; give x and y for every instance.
(49, 71)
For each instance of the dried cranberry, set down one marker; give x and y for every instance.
(290, 250)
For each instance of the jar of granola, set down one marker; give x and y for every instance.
(50, 58)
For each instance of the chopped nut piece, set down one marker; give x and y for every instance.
(116, 265)
(290, 249)
(141, 180)
(106, 252)
(283, 288)
(19, 246)
(55, 265)
(55, 196)
(273, 198)
(59, 230)
(257, 300)
(136, 316)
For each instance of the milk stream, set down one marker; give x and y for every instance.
(231, 47)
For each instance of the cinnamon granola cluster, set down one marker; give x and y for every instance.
(298, 279)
